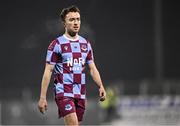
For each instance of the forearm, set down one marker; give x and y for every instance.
(96, 77)
(45, 84)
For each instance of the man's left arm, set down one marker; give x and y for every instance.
(97, 79)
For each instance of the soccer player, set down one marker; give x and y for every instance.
(67, 57)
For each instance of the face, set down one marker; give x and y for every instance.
(72, 22)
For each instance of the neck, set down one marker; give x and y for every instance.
(71, 38)
(71, 35)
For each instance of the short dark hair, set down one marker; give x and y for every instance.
(65, 11)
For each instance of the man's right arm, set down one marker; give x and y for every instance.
(44, 87)
(46, 79)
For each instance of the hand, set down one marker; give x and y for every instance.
(102, 94)
(42, 105)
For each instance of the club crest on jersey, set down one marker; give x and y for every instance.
(68, 107)
(66, 47)
(84, 48)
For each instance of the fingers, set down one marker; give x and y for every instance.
(42, 110)
(102, 98)
(102, 95)
(46, 107)
(42, 106)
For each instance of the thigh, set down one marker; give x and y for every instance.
(71, 119)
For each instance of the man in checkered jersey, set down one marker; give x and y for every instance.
(67, 56)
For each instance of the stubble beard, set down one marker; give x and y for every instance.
(72, 34)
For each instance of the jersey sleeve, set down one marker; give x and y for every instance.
(53, 53)
(90, 57)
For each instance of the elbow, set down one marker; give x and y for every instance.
(94, 72)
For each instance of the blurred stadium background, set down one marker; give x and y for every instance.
(136, 48)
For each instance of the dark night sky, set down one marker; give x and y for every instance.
(122, 33)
